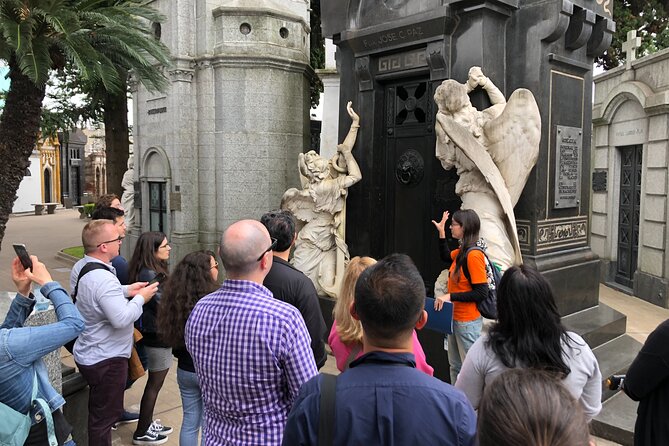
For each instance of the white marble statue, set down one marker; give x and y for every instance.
(494, 151)
(128, 197)
(320, 249)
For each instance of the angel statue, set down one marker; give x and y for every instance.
(128, 197)
(494, 151)
(320, 249)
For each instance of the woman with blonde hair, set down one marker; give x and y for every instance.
(346, 334)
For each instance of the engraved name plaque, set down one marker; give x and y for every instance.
(568, 167)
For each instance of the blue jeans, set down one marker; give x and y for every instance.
(191, 401)
(463, 337)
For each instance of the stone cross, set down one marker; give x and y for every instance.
(630, 46)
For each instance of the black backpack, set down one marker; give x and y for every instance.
(90, 266)
(488, 306)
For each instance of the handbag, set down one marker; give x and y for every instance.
(15, 426)
(135, 367)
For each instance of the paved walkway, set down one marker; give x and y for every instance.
(45, 235)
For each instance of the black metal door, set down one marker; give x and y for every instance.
(417, 188)
(157, 206)
(628, 217)
(75, 190)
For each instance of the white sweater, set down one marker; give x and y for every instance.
(482, 366)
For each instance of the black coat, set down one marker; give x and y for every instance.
(290, 285)
(147, 322)
(647, 381)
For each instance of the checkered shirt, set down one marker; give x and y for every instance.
(251, 353)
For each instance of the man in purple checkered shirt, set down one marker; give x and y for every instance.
(251, 352)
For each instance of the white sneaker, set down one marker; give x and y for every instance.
(158, 428)
(149, 438)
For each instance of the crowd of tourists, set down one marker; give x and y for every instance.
(249, 349)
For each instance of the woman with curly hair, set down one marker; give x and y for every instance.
(148, 262)
(193, 278)
(346, 334)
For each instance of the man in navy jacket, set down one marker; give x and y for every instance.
(382, 398)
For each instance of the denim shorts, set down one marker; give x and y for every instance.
(158, 358)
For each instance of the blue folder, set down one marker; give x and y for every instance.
(441, 321)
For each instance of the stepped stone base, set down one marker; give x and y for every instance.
(616, 420)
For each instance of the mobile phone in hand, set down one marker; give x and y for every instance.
(23, 256)
(160, 277)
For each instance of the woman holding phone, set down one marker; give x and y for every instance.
(149, 263)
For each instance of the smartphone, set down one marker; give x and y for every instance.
(23, 255)
(159, 278)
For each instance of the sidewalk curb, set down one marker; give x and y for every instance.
(71, 260)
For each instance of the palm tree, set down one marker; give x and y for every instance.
(37, 36)
(133, 38)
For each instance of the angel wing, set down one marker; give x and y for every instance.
(300, 203)
(484, 162)
(513, 140)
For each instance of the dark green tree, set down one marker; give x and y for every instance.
(648, 18)
(38, 36)
(317, 47)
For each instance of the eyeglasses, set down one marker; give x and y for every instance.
(119, 240)
(216, 265)
(271, 248)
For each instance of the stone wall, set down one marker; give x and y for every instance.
(631, 109)
(225, 136)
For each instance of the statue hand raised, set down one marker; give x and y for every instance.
(354, 116)
(476, 78)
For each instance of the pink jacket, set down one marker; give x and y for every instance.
(342, 351)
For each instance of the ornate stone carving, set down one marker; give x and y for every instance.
(580, 29)
(553, 30)
(181, 74)
(364, 73)
(494, 151)
(410, 168)
(554, 234)
(320, 205)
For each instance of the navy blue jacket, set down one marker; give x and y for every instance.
(382, 399)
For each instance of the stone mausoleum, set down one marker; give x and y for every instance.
(222, 143)
(629, 179)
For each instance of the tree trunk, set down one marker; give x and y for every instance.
(19, 129)
(116, 139)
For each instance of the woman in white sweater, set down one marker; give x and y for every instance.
(529, 334)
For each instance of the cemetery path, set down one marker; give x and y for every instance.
(44, 236)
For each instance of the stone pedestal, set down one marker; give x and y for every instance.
(52, 360)
(64, 379)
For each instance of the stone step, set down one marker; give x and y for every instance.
(616, 420)
(596, 325)
(615, 357)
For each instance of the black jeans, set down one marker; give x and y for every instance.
(106, 380)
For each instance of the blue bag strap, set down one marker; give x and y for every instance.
(50, 428)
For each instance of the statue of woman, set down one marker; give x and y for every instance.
(128, 197)
(320, 249)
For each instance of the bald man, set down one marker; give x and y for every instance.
(251, 352)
